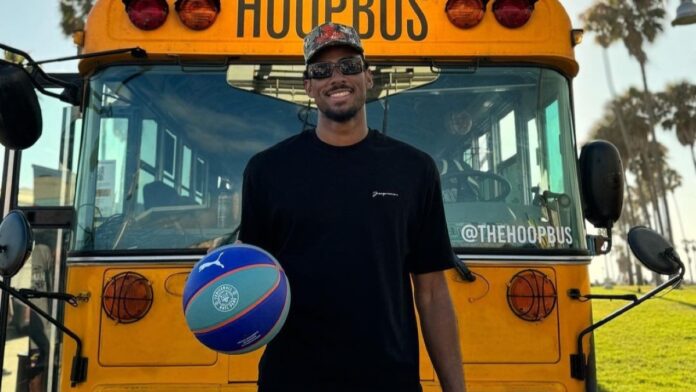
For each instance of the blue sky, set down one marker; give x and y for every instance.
(32, 25)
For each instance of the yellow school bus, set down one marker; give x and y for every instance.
(176, 96)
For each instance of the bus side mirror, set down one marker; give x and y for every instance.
(16, 243)
(602, 183)
(20, 114)
(654, 251)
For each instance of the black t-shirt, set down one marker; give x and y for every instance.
(348, 225)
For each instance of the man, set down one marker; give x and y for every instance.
(455, 173)
(351, 215)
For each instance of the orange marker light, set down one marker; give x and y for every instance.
(127, 297)
(465, 14)
(531, 295)
(197, 14)
(576, 36)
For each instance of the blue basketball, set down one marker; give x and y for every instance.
(236, 299)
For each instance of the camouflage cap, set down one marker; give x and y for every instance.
(330, 34)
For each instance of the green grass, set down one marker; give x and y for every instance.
(651, 347)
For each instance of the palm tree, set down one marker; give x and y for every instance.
(632, 223)
(651, 168)
(627, 112)
(634, 22)
(623, 262)
(627, 145)
(73, 15)
(657, 153)
(679, 113)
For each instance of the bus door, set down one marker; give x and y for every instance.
(40, 181)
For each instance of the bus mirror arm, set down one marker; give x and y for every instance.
(575, 294)
(79, 363)
(578, 363)
(464, 271)
(71, 92)
(600, 244)
(69, 298)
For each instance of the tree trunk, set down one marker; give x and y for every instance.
(646, 172)
(629, 267)
(632, 222)
(693, 155)
(661, 182)
(639, 274)
(624, 136)
(638, 266)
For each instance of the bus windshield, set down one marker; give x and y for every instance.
(165, 148)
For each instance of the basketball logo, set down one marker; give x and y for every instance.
(225, 298)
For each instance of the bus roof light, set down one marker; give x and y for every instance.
(147, 14)
(513, 13)
(465, 14)
(197, 14)
(576, 36)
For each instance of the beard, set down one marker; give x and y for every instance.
(342, 116)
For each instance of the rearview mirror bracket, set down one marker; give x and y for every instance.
(71, 92)
(578, 362)
(79, 364)
(599, 244)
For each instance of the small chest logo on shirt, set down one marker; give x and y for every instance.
(384, 194)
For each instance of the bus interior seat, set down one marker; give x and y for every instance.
(159, 194)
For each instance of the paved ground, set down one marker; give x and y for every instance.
(13, 347)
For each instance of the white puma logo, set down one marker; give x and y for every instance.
(211, 263)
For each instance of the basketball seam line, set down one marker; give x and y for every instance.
(205, 286)
(244, 312)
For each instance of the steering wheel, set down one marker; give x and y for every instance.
(470, 191)
(107, 231)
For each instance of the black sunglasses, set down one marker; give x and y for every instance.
(347, 66)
